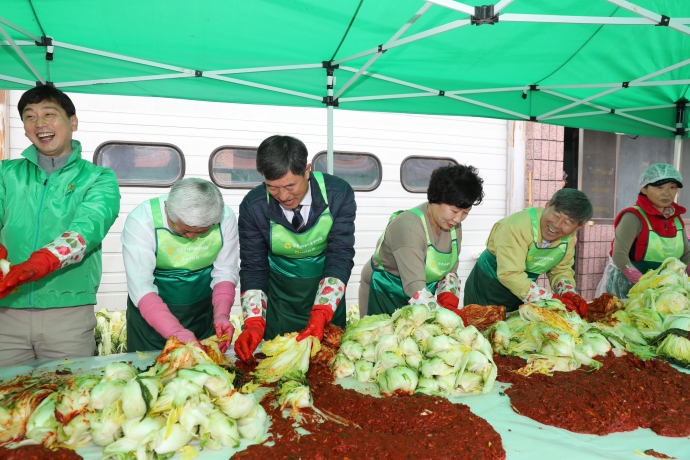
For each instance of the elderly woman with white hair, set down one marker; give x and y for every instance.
(181, 257)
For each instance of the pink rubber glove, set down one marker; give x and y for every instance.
(632, 273)
(222, 299)
(158, 315)
(687, 270)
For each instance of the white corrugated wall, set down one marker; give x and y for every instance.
(198, 128)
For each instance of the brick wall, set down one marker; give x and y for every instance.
(593, 246)
(544, 159)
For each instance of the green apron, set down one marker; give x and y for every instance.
(183, 278)
(296, 263)
(387, 294)
(659, 248)
(482, 286)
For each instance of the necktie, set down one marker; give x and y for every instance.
(297, 220)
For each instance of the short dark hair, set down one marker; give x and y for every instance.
(279, 154)
(573, 203)
(456, 185)
(46, 93)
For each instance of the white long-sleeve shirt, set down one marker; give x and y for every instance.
(139, 250)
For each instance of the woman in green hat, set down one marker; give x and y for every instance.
(647, 233)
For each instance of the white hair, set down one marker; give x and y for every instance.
(195, 202)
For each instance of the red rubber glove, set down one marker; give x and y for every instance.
(39, 264)
(3, 252)
(450, 301)
(319, 317)
(250, 338)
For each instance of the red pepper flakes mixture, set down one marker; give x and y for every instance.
(414, 427)
(653, 453)
(626, 393)
(37, 452)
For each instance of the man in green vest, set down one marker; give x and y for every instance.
(297, 235)
(529, 243)
(181, 257)
(55, 210)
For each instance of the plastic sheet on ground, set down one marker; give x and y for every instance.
(524, 438)
(95, 363)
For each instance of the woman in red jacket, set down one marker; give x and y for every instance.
(647, 233)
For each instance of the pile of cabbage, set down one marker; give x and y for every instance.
(110, 333)
(185, 396)
(660, 301)
(551, 338)
(417, 351)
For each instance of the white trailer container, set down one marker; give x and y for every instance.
(198, 128)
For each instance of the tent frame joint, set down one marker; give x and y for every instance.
(441, 93)
(331, 101)
(48, 43)
(381, 50)
(532, 118)
(625, 84)
(330, 71)
(664, 21)
(47, 83)
(484, 15)
(198, 73)
(681, 105)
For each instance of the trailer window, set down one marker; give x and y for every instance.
(415, 172)
(361, 170)
(141, 164)
(234, 167)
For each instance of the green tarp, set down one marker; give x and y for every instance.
(613, 65)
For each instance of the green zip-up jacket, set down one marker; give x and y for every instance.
(35, 209)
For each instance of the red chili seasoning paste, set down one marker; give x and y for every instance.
(653, 453)
(38, 452)
(626, 393)
(359, 426)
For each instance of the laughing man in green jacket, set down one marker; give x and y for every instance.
(55, 210)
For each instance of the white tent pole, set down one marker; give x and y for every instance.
(264, 69)
(452, 5)
(619, 112)
(676, 24)
(121, 57)
(11, 25)
(17, 80)
(613, 90)
(502, 4)
(488, 106)
(650, 107)
(383, 48)
(677, 152)
(385, 96)
(558, 19)
(21, 55)
(266, 87)
(67, 84)
(18, 42)
(330, 83)
(329, 111)
(403, 41)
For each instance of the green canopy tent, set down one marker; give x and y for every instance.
(610, 65)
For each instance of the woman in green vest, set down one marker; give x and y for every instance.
(297, 236)
(529, 243)
(647, 233)
(416, 258)
(181, 258)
